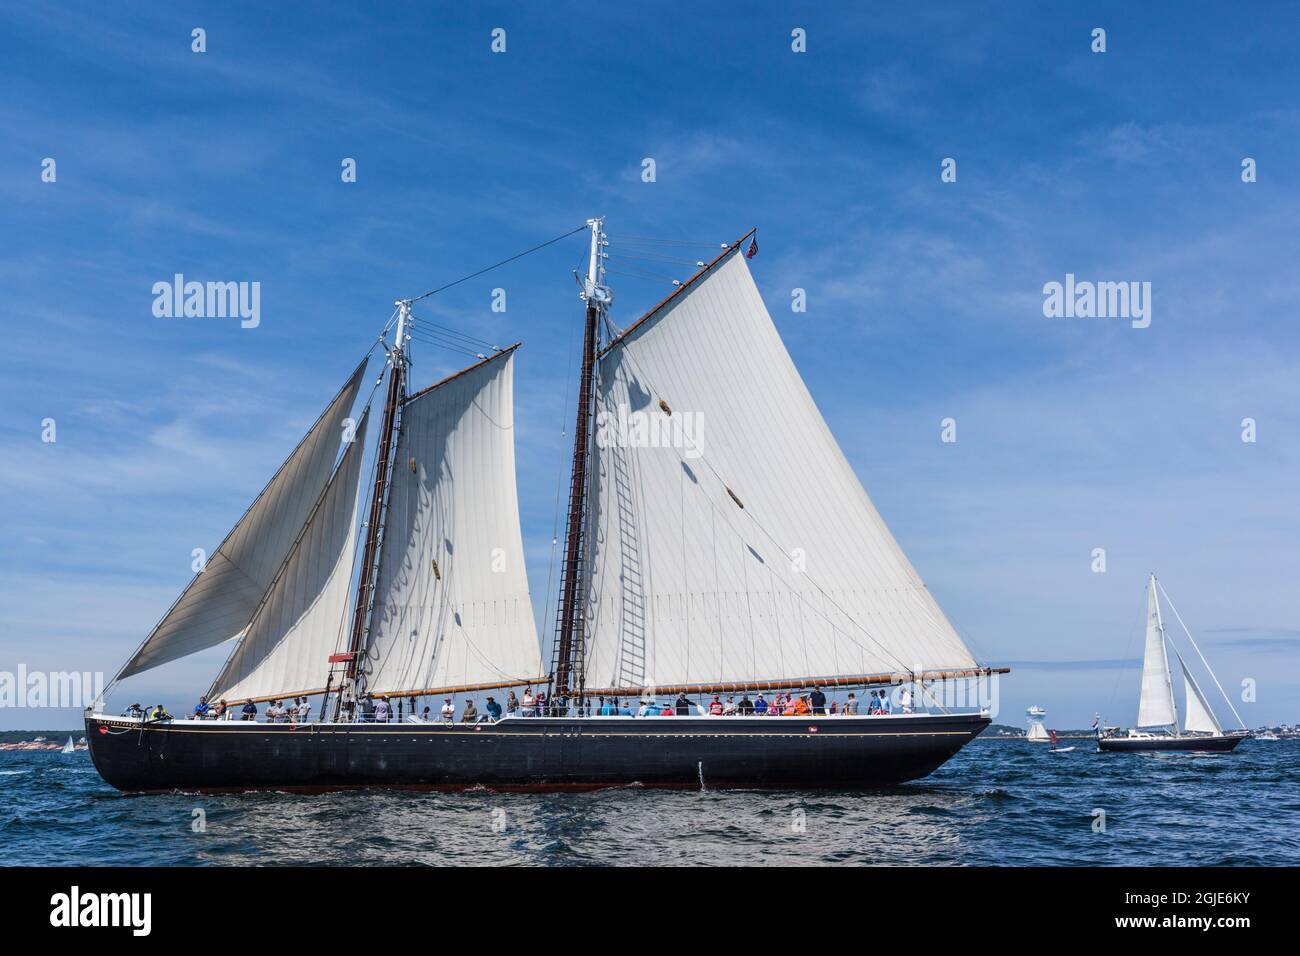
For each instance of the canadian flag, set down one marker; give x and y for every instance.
(753, 248)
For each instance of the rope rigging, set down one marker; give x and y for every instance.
(497, 265)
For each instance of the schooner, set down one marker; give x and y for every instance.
(717, 542)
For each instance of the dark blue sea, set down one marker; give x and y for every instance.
(997, 802)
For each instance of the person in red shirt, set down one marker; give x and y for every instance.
(715, 708)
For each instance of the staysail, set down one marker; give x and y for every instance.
(452, 605)
(729, 538)
(221, 599)
(285, 650)
(1156, 708)
(1197, 713)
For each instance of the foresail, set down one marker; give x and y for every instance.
(452, 606)
(729, 539)
(1156, 708)
(1197, 715)
(219, 602)
(286, 648)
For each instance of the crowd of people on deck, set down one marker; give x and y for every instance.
(372, 709)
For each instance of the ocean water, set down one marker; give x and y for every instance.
(997, 802)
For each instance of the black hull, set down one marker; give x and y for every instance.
(1222, 744)
(528, 754)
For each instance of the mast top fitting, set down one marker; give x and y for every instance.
(594, 291)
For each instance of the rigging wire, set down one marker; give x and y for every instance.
(497, 265)
(672, 260)
(642, 274)
(434, 329)
(667, 242)
(445, 343)
(1198, 652)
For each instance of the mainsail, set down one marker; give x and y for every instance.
(220, 601)
(1197, 713)
(1156, 708)
(285, 650)
(730, 540)
(452, 606)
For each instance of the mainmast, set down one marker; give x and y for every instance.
(1164, 645)
(397, 360)
(567, 677)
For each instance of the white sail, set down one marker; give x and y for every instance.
(219, 602)
(700, 411)
(286, 648)
(1156, 708)
(1197, 715)
(452, 605)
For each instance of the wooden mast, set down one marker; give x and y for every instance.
(569, 637)
(378, 500)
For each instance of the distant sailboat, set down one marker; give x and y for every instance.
(1037, 732)
(1158, 723)
(69, 747)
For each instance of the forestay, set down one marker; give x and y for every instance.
(286, 648)
(729, 539)
(221, 599)
(453, 608)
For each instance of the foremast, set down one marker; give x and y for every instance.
(567, 672)
(364, 605)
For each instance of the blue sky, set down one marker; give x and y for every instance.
(924, 298)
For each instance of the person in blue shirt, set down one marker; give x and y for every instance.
(760, 705)
(493, 708)
(201, 708)
(621, 710)
(818, 701)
